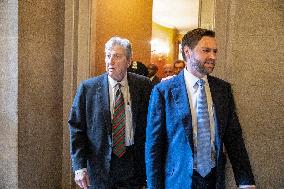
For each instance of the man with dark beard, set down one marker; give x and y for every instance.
(190, 118)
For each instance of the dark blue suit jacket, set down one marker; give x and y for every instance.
(90, 127)
(169, 137)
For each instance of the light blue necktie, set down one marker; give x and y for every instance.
(203, 155)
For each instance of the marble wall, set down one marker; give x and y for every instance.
(76, 68)
(40, 97)
(8, 94)
(251, 57)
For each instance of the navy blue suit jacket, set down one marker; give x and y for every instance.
(169, 137)
(90, 127)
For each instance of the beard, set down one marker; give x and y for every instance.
(199, 67)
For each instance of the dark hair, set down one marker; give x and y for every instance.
(191, 38)
(179, 61)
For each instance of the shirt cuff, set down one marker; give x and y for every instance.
(246, 186)
(80, 171)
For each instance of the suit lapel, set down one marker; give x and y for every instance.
(180, 97)
(103, 96)
(218, 101)
(134, 98)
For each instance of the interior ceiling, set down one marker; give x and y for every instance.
(179, 14)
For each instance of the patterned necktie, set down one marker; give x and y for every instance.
(118, 124)
(203, 132)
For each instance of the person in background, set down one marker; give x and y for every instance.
(178, 66)
(107, 124)
(190, 118)
(168, 70)
(138, 68)
(153, 69)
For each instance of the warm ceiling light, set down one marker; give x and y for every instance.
(159, 47)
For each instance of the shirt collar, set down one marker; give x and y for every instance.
(113, 82)
(192, 79)
(151, 78)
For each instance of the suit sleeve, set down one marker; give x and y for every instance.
(155, 141)
(235, 147)
(77, 126)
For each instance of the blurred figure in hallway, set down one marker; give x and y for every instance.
(178, 65)
(138, 68)
(152, 71)
(168, 70)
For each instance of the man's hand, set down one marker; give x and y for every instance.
(82, 179)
